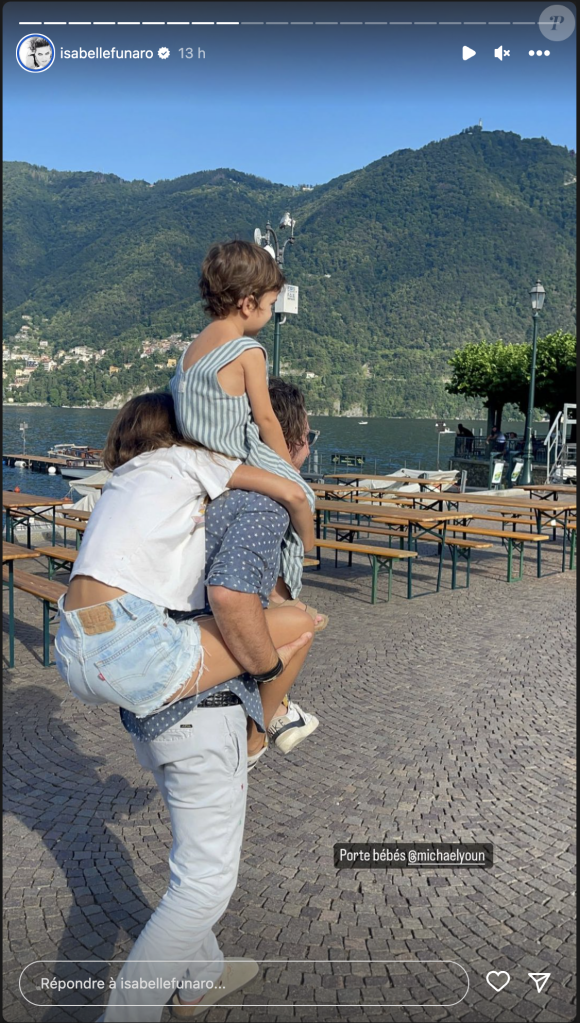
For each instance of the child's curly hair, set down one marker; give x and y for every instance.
(235, 270)
(290, 411)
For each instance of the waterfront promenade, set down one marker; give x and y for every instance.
(448, 717)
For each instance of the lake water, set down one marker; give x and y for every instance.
(387, 444)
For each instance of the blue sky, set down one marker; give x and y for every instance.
(292, 103)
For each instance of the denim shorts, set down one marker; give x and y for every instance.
(128, 652)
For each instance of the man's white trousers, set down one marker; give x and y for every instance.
(200, 766)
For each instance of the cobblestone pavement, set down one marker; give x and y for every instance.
(448, 717)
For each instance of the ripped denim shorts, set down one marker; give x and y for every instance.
(128, 652)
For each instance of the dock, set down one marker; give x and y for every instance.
(38, 463)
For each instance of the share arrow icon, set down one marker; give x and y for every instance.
(540, 980)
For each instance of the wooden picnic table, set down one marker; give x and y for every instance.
(339, 492)
(547, 490)
(394, 496)
(413, 523)
(342, 493)
(393, 510)
(432, 500)
(534, 503)
(24, 507)
(352, 477)
(12, 552)
(555, 512)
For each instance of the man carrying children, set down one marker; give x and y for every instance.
(197, 752)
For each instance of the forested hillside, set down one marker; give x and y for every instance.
(398, 263)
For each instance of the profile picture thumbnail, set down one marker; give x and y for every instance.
(35, 53)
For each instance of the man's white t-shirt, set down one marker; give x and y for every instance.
(146, 533)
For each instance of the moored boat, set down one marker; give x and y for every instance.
(81, 460)
(72, 471)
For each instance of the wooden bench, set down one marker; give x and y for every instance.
(459, 548)
(46, 591)
(462, 549)
(510, 539)
(58, 557)
(400, 502)
(508, 517)
(571, 529)
(71, 524)
(380, 519)
(381, 558)
(343, 529)
(76, 513)
(310, 562)
(12, 552)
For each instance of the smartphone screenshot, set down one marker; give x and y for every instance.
(289, 510)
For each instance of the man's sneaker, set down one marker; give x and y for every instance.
(287, 731)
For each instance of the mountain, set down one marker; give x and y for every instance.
(398, 263)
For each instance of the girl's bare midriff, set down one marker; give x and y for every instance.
(84, 591)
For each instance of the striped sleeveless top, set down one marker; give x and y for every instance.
(223, 422)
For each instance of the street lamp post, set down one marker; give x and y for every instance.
(441, 428)
(23, 428)
(277, 252)
(538, 295)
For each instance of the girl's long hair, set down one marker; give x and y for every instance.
(145, 423)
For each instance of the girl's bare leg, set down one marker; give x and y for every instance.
(286, 625)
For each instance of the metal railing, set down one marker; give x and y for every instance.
(553, 446)
(471, 447)
(319, 464)
(477, 447)
(570, 454)
(560, 452)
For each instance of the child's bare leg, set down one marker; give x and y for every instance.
(280, 591)
(291, 625)
(282, 629)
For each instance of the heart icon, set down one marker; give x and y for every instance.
(498, 980)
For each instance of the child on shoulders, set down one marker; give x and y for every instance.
(220, 388)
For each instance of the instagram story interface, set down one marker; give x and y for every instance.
(289, 362)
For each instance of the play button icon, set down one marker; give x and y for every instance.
(468, 52)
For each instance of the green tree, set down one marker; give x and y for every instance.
(494, 371)
(555, 372)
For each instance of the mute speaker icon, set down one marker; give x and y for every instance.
(498, 53)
